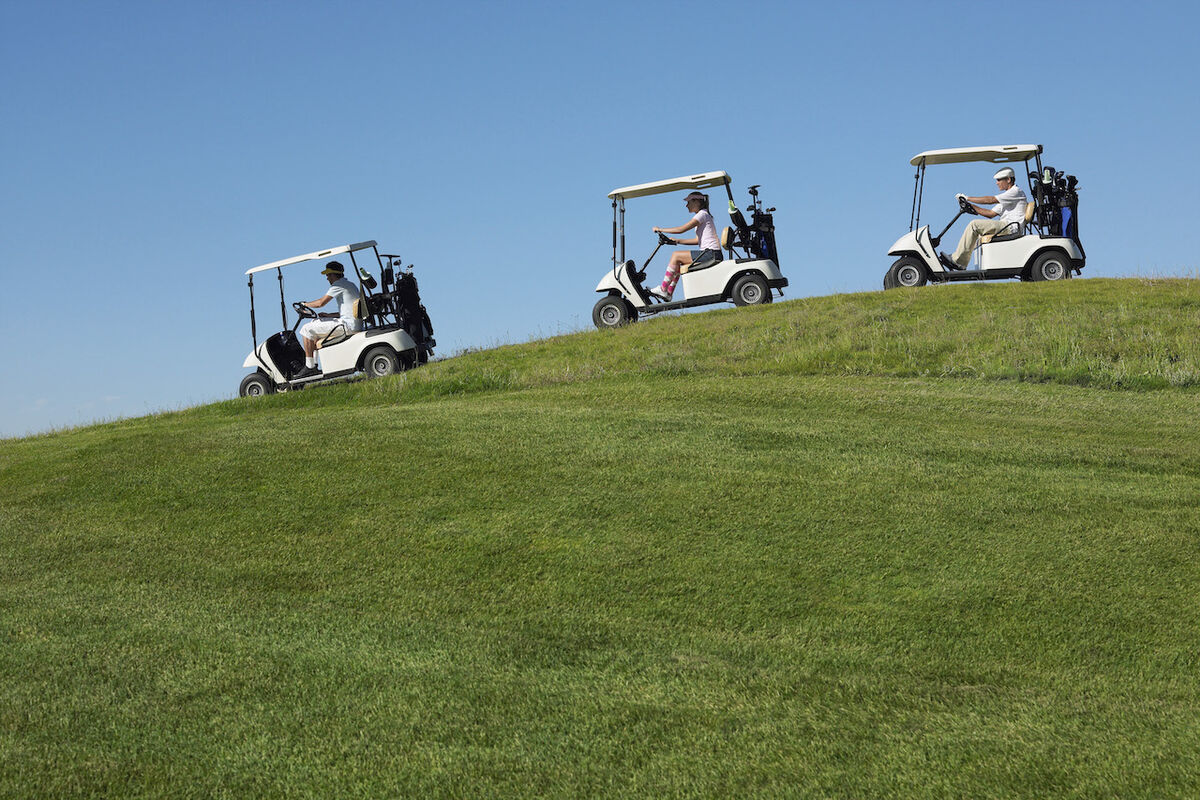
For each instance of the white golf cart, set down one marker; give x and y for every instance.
(1045, 248)
(745, 278)
(397, 333)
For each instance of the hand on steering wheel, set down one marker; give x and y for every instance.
(966, 205)
(664, 239)
(303, 311)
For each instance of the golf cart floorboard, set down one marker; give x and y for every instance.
(697, 301)
(774, 283)
(976, 274)
(320, 376)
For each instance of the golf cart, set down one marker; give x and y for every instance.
(396, 334)
(1045, 248)
(745, 278)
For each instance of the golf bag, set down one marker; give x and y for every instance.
(400, 299)
(757, 237)
(411, 315)
(1057, 211)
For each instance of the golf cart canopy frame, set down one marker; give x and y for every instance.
(313, 256)
(287, 262)
(996, 154)
(705, 180)
(702, 180)
(993, 154)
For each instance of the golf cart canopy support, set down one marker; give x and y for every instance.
(313, 256)
(702, 180)
(994, 154)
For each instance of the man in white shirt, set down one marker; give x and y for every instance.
(1009, 207)
(311, 332)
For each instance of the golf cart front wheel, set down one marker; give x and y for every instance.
(751, 290)
(1052, 266)
(907, 271)
(256, 385)
(380, 361)
(612, 311)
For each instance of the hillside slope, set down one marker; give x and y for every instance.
(1131, 333)
(918, 543)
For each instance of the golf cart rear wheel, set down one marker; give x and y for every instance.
(750, 290)
(907, 271)
(1051, 266)
(256, 385)
(380, 361)
(612, 311)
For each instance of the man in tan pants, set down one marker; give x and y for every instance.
(1009, 207)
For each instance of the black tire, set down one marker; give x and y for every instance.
(750, 290)
(256, 384)
(380, 361)
(1053, 265)
(612, 311)
(908, 271)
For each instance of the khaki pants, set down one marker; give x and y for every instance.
(970, 238)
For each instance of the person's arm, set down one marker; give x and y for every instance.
(681, 229)
(318, 303)
(979, 209)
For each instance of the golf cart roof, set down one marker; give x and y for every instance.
(333, 251)
(995, 154)
(705, 180)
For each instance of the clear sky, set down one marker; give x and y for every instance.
(152, 152)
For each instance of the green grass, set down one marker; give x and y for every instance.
(933, 543)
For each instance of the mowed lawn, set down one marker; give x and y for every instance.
(651, 584)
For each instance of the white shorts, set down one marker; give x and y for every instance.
(316, 328)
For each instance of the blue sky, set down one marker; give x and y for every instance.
(155, 151)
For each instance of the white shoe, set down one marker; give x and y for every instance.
(658, 292)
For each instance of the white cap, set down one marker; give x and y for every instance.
(1005, 173)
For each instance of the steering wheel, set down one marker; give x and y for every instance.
(304, 312)
(663, 239)
(966, 206)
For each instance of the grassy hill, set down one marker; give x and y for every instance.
(928, 543)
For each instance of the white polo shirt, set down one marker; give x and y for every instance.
(1010, 205)
(346, 293)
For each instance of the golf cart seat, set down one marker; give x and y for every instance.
(696, 266)
(340, 334)
(1012, 230)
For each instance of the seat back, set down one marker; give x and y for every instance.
(727, 238)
